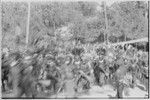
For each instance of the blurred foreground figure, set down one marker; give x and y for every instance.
(5, 72)
(22, 76)
(15, 67)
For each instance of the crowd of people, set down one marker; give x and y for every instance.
(44, 72)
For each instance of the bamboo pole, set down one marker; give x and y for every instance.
(54, 24)
(131, 41)
(28, 25)
(106, 23)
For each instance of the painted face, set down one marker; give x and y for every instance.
(13, 63)
(67, 62)
(51, 63)
(77, 62)
(27, 59)
(28, 69)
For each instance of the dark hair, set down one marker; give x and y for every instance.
(77, 51)
(3, 56)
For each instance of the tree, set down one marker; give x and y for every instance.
(13, 13)
(129, 19)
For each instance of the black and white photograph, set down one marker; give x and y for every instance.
(74, 49)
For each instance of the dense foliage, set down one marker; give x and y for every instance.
(84, 22)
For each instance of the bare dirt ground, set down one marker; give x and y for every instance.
(106, 91)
